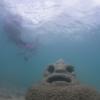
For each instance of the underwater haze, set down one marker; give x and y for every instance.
(35, 33)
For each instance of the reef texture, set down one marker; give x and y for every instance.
(60, 83)
(76, 92)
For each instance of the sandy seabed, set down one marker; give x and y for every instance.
(13, 98)
(9, 94)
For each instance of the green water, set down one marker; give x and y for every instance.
(71, 34)
(84, 55)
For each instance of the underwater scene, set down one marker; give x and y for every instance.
(37, 33)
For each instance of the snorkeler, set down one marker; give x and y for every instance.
(14, 30)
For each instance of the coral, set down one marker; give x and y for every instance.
(60, 83)
(75, 92)
(59, 73)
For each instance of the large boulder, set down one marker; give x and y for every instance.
(60, 83)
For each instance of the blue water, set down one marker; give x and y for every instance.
(84, 54)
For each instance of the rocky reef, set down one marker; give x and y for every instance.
(60, 83)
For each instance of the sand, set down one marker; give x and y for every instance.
(9, 94)
(13, 98)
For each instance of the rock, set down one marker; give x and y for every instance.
(60, 83)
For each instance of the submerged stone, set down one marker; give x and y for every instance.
(60, 83)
